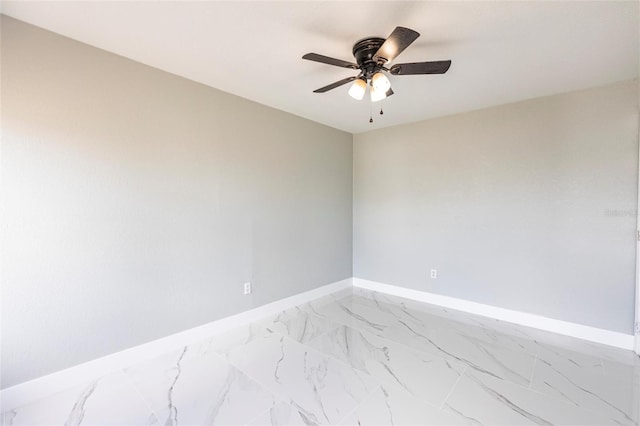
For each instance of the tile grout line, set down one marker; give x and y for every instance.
(139, 392)
(285, 397)
(464, 370)
(277, 395)
(252, 420)
(365, 399)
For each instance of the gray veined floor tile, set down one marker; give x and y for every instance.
(507, 364)
(316, 306)
(375, 313)
(575, 362)
(580, 380)
(434, 337)
(482, 399)
(300, 323)
(392, 405)
(402, 308)
(434, 312)
(321, 388)
(188, 387)
(488, 330)
(422, 375)
(356, 315)
(491, 336)
(379, 318)
(362, 296)
(111, 400)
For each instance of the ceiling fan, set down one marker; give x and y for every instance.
(372, 54)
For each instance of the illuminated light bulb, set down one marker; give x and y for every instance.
(380, 82)
(358, 88)
(377, 94)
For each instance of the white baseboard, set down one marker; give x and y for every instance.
(24, 393)
(585, 332)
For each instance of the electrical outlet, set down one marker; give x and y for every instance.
(434, 274)
(247, 288)
(638, 327)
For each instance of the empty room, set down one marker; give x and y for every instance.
(319, 213)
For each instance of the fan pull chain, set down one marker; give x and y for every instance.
(370, 112)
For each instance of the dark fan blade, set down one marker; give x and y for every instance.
(331, 61)
(334, 85)
(389, 92)
(399, 40)
(435, 67)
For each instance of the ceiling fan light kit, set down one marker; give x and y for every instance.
(372, 54)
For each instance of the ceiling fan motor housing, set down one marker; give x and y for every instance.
(364, 51)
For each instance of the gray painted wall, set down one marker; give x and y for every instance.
(529, 206)
(136, 203)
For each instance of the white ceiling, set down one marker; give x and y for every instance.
(501, 51)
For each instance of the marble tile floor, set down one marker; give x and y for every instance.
(362, 358)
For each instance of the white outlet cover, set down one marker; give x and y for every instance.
(434, 273)
(247, 288)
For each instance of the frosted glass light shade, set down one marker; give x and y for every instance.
(357, 89)
(380, 82)
(377, 94)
